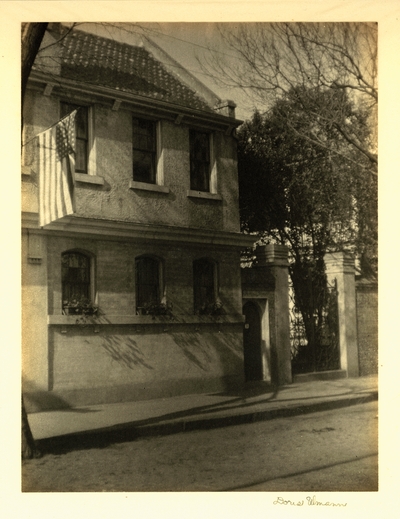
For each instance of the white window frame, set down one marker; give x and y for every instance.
(212, 194)
(91, 176)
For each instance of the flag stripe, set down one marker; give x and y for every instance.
(56, 167)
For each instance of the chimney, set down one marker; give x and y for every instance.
(226, 107)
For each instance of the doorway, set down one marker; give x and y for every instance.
(252, 342)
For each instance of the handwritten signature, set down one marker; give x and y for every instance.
(311, 501)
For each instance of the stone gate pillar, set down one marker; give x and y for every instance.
(275, 258)
(340, 266)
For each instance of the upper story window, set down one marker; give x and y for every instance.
(144, 146)
(204, 285)
(82, 134)
(76, 278)
(200, 162)
(148, 282)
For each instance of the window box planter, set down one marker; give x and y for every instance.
(212, 309)
(156, 309)
(79, 310)
(80, 307)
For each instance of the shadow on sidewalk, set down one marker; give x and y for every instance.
(198, 417)
(126, 431)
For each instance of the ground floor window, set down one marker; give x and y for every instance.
(204, 285)
(76, 280)
(148, 283)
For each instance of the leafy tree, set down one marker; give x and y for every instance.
(297, 193)
(329, 70)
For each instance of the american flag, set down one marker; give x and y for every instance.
(56, 170)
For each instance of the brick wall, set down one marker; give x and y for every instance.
(367, 326)
(115, 273)
(123, 356)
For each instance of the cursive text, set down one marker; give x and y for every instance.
(281, 501)
(311, 501)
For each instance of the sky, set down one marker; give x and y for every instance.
(186, 43)
(259, 505)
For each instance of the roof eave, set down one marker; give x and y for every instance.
(129, 101)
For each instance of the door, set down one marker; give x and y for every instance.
(252, 342)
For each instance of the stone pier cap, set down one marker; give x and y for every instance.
(272, 254)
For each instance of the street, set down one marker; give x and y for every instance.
(325, 451)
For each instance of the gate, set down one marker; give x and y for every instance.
(315, 343)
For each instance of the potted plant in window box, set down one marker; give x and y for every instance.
(216, 308)
(79, 306)
(157, 309)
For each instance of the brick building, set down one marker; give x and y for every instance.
(155, 230)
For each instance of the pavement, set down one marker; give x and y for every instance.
(128, 420)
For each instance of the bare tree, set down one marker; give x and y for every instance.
(273, 60)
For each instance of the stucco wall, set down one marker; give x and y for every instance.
(111, 159)
(34, 320)
(125, 357)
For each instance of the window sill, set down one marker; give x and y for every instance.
(204, 195)
(62, 320)
(89, 179)
(143, 186)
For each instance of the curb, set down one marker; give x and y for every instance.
(130, 431)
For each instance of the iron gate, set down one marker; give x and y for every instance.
(315, 343)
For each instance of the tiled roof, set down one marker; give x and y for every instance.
(101, 61)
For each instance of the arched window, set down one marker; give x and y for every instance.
(76, 278)
(148, 282)
(204, 285)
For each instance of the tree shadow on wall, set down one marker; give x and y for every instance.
(125, 351)
(192, 347)
(206, 351)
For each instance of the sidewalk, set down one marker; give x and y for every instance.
(129, 420)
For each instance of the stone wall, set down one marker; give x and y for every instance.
(367, 326)
(266, 285)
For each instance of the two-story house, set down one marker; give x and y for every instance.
(154, 241)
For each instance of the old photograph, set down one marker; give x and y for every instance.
(199, 257)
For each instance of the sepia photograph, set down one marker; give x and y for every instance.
(199, 257)
(192, 319)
